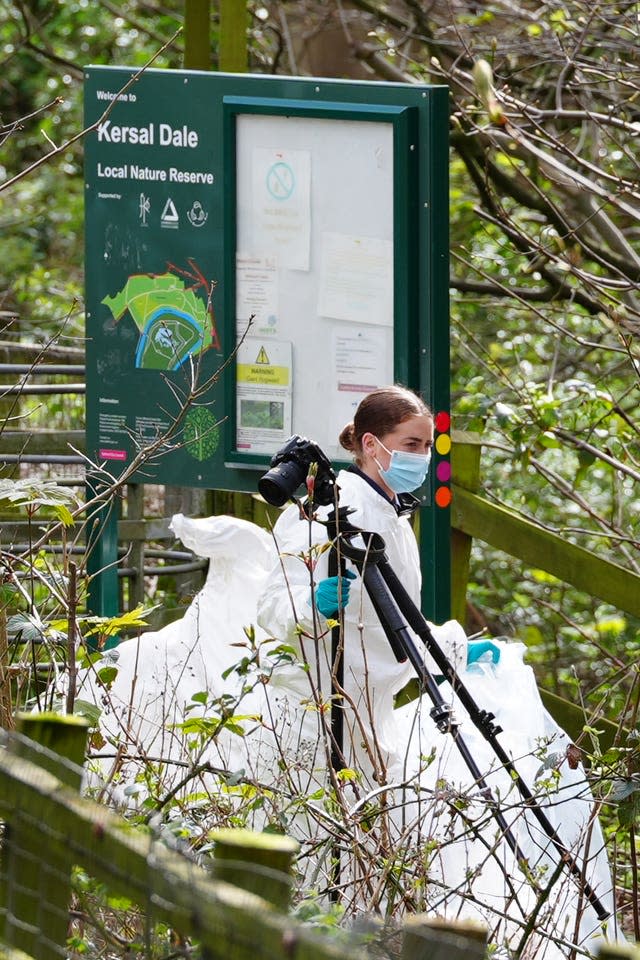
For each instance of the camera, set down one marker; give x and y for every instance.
(289, 469)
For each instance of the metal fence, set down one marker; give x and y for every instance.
(32, 448)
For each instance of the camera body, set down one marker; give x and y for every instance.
(289, 469)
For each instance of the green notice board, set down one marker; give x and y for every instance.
(315, 209)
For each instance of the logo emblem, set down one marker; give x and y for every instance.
(144, 208)
(197, 215)
(170, 216)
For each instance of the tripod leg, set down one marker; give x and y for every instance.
(399, 636)
(484, 722)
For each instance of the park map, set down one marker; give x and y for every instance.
(174, 323)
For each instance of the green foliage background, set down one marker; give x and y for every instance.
(545, 273)
(544, 278)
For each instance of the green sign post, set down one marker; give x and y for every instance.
(260, 253)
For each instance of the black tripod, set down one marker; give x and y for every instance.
(399, 617)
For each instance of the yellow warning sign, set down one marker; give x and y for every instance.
(262, 356)
(268, 375)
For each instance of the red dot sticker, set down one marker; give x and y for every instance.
(443, 497)
(442, 421)
(443, 471)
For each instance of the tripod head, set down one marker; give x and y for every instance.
(360, 546)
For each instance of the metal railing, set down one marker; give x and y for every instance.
(48, 448)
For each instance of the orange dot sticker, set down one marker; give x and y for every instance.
(443, 444)
(443, 497)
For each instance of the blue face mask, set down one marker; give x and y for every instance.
(406, 471)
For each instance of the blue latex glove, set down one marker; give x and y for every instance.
(331, 595)
(477, 648)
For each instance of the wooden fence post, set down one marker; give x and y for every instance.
(465, 464)
(261, 863)
(432, 939)
(619, 951)
(6, 705)
(197, 34)
(135, 511)
(234, 23)
(35, 893)
(6, 953)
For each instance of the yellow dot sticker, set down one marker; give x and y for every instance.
(443, 444)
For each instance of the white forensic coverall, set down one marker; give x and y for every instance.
(372, 674)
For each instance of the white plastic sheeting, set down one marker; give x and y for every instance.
(428, 806)
(160, 672)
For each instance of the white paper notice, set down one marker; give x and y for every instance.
(281, 224)
(256, 294)
(263, 395)
(363, 361)
(356, 279)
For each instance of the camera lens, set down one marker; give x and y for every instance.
(281, 482)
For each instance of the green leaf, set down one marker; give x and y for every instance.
(541, 576)
(283, 650)
(90, 711)
(347, 775)
(201, 697)
(628, 811)
(505, 415)
(107, 675)
(110, 626)
(133, 789)
(549, 441)
(64, 515)
(85, 657)
(586, 458)
(24, 629)
(33, 494)
(612, 625)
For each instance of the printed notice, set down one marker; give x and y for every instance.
(263, 395)
(356, 279)
(281, 222)
(256, 294)
(363, 361)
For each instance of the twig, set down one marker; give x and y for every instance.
(72, 666)
(56, 151)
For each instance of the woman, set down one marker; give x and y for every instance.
(390, 439)
(422, 804)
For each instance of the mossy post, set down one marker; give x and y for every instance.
(433, 939)
(465, 464)
(6, 709)
(261, 863)
(64, 739)
(234, 23)
(619, 951)
(197, 34)
(7, 954)
(35, 894)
